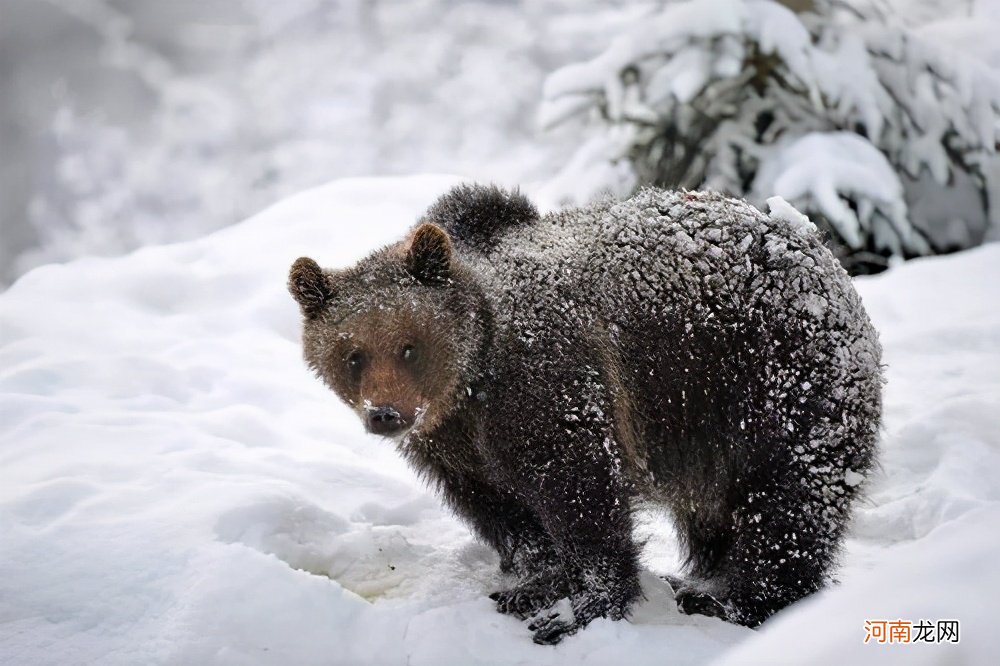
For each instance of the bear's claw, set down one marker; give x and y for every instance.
(549, 630)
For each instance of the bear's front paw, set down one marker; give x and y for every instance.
(554, 624)
(524, 600)
(571, 614)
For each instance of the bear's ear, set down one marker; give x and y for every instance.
(429, 256)
(309, 286)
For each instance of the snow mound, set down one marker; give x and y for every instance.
(176, 488)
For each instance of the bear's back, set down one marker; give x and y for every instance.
(700, 260)
(664, 252)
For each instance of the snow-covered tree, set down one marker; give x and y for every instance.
(887, 141)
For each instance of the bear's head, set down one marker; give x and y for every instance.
(397, 335)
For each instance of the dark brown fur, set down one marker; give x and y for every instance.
(680, 349)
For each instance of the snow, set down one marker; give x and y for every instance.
(176, 488)
(855, 118)
(780, 209)
(126, 119)
(824, 170)
(967, 27)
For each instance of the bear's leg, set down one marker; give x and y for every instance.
(593, 562)
(542, 581)
(786, 540)
(541, 573)
(590, 559)
(599, 586)
(500, 520)
(561, 458)
(503, 522)
(707, 538)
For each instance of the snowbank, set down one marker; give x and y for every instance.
(176, 488)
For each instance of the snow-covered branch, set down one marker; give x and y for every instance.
(861, 123)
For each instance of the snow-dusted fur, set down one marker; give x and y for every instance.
(678, 348)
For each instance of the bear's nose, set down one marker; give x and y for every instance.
(384, 421)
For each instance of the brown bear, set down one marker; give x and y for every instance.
(551, 374)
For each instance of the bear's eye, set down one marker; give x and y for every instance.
(409, 353)
(355, 364)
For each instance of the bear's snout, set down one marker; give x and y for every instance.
(384, 420)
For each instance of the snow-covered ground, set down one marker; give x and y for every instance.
(175, 487)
